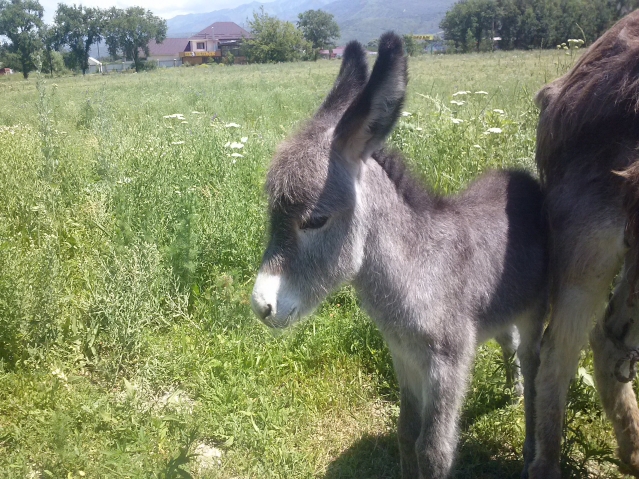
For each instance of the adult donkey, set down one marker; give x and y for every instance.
(437, 275)
(587, 152)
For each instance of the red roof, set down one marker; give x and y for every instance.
(225, 31)
(222, 32)
(170, 46)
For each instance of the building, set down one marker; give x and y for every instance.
(94, 65)
(215, 42)
(336, 52)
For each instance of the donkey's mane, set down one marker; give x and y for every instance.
(414, 194)
(596, 102)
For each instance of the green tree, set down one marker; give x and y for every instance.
(51, 42)
(79, 28)
(130, 31)
(319, 28)
(471, 24)
(410, 45)
(525, 24)
(20, 21)
(274, 40)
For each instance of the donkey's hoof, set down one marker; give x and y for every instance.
(629, 463)
(629, 454)
(540, 470)
(628, 469)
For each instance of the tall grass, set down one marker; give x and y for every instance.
(129, 238)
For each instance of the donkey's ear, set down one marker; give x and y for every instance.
(351, 78)
(371, 117)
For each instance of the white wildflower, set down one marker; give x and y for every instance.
(406, 113)
(227, 144)
(58, 373)
(497, 110)
(232, 125)
(493, 130)
(481, 92)
(457, 121)
(462, 92)
(184, 122)
(244, 139)
(419, 128)
(236, 146)
(197, 113)
(477, 146)
(457, 102)
(177, 142)
(178, 116)
(206, 459)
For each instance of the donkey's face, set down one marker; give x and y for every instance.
(317, 196)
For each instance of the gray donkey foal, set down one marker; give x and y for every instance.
(437, 275)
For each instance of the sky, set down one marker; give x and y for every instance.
(162, 8)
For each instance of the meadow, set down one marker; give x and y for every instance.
(132, 221)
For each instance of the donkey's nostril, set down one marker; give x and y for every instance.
(267, 311)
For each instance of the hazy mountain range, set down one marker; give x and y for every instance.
(361, 20)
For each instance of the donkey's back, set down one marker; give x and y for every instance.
(508, 229)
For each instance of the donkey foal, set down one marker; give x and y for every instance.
(437, 275)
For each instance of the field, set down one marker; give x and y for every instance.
(132, 220)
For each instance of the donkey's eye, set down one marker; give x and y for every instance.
(314, 223)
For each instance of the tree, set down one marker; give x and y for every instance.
(80, 28)
(130, 31)
(274, 40)
(319, 28)
(410, 45)
(20, 21)
(51, 41)
(471, 24)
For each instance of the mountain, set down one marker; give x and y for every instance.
(361, 20)
(365, 20)
(186, 25)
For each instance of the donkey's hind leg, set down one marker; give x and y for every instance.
(509, 341)
(531, 328)
(586, 254)
(611, 340)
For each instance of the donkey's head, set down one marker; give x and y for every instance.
(316, 188)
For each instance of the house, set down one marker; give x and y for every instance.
(95, 66)
(6, 71)
(211, 44)
(336, 52)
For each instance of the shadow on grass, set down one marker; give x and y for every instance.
(372, 457)
(377, 457)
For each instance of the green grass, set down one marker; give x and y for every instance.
(128, 247)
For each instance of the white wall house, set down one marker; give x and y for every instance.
(208, 45)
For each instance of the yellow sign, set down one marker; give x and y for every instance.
(424, 37)
(200, 54)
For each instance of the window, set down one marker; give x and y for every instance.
(200, 45)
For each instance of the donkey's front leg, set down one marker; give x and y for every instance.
(408, 429)
(444, 389)
(613, 340)
(409, 424)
